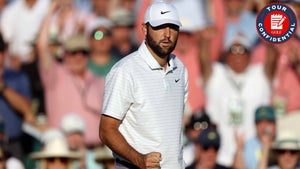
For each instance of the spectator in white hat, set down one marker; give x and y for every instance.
(73, 127)
(55, 154)
(285, 152)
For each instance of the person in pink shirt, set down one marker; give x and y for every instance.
(286, 92)
(69, 86)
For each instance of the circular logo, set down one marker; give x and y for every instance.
(276, 23)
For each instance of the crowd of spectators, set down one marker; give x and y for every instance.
(55, 54)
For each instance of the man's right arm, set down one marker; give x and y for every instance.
(48, 67)
(204, 38)
(110, 135)
(45, 56)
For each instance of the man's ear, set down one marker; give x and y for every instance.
(144, 28)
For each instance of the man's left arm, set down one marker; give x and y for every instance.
(17, 100)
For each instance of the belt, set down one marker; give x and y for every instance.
(126, 164)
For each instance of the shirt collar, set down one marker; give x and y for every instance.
(150, 60)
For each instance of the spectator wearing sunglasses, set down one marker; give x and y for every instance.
(207, 146)
(55, 154)
(284, 152)
(237, 88)
(70, 86)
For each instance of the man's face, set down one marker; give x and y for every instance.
(57, 163)
(206, 155)
(238, 58)
(101, 41)
(287, 158)
(266, 127)
(76, 60)
(162, 39)
(75, 140)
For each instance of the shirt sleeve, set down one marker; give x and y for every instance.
(118, 93)
(24, 89)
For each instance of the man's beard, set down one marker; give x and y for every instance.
(159, 51)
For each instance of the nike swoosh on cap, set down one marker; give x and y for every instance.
(164, 12)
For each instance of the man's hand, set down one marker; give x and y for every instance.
(111, 136)
(151, 161)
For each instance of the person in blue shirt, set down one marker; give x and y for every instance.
(15, 106)
(248, 154)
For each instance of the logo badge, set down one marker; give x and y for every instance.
(164, 12)
(276, 23)
(177, 80)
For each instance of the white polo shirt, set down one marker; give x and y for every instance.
(150, 102)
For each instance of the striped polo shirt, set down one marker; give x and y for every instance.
(150, 102)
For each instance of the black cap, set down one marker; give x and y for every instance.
(199, 120)
(209, 138)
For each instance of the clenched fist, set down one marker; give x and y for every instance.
(152, 160)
